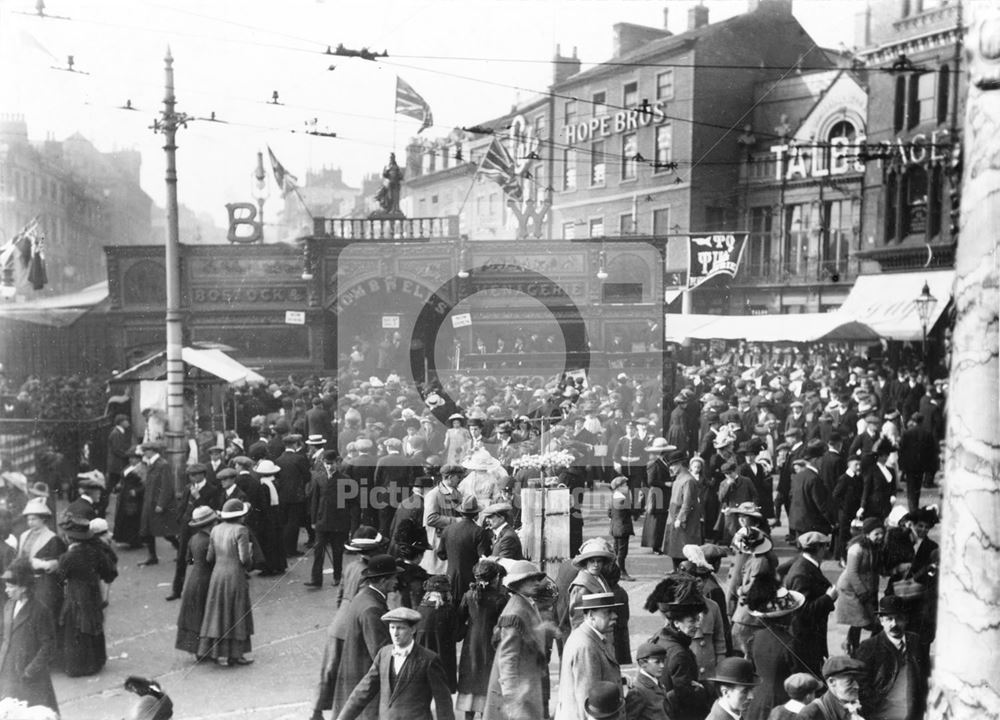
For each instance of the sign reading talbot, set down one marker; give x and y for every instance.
(621, 121)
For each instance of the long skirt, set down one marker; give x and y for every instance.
(128, 512)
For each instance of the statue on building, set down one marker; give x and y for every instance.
(389, 194)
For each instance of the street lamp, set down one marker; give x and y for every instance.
(925, 303)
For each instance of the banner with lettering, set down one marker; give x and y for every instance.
(714, 254)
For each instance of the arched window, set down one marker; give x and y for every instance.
(842, 129)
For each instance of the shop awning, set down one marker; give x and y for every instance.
(808, 327)
(57, 310)
(886, 302)
(210, 361)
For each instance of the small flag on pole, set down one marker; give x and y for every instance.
(409, 103)
(498, 165)
(286, 181)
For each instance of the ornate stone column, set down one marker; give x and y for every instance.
(966, 682)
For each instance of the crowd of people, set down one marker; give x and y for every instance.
(422, 487)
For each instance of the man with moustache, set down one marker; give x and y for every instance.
(587, 656)
(893, 685)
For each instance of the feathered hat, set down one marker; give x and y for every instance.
(677, 594)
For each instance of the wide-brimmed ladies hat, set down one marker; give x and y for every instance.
(748, 509)
(735, 671)
(604, 701)
(36, 506)
(91, 479)
(234, 508)
(38, 490)
(365, 538)
(593, 548)
(752, 541)
(783, 603)
(518, 571)
(203, 515)
(481, 461)
(660, 445)
(75, 528)
(266, 468)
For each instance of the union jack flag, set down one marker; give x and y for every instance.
(409, 103)
(499, 166)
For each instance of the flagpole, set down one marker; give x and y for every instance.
(471, 184)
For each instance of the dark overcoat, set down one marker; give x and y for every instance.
(159, 493)
(364, 635)
(461, 545)
(27, 647)
(809, 623)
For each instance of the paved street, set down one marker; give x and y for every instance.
(290, 622)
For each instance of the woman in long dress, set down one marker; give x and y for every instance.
(478, 614)
(128, 509)
(268, 530)
(228, 623)
(42, 548)
(83, 567)
(196, 580)
(457, 441)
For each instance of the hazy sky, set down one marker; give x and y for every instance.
(468, 58)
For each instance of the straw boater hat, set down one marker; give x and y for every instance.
(660, 445)
(36, 506)
(596, 601)
(593, 548)
(203, 515)
(316, 440)
(234, 508)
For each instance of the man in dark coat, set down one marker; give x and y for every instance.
(408, 523)
(647, 699)
(832, 464)
(364, 633)
(659, 483)
(199, 491)
(809, 506)
(462, 544)
(293, 476)
(894, 684)
(758, 470)
(404, 676)
(361, 469)
(159, 502)
(330, 518)
(796, 451)
(878, 483)
(119, 443)
(318, 420)
(393, 472)
(27, 641)
(918, 459)
(506, 543)
(809, 624)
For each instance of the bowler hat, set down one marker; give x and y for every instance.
(925, 514)
(735, 671)
(677, 456)
(842, 665)
(604, 701)
(402, 615)
(380, 566)
(892, 605)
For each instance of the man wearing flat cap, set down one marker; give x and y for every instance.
(364, 634)
(841, 701)
(404, 676)
(587, 656)
(646, 700)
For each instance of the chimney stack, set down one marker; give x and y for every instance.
(564, 67)
(697, 17)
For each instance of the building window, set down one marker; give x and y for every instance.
(758, 260)
(630, 95)
(630, 150)
(569, 230)
(915, 198)
(627, 274)
(597, 163)
(569, 169)
(664, 141)
(626, 224)
(927, 106)
(891, 206)
(838, 227)
(944, 87)
(665, 85)
(796, 239)
(661, 222)
(569, 112)
(934, 202)
(899, 109)
(600, 103)
(596, 226)
(718, 218)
